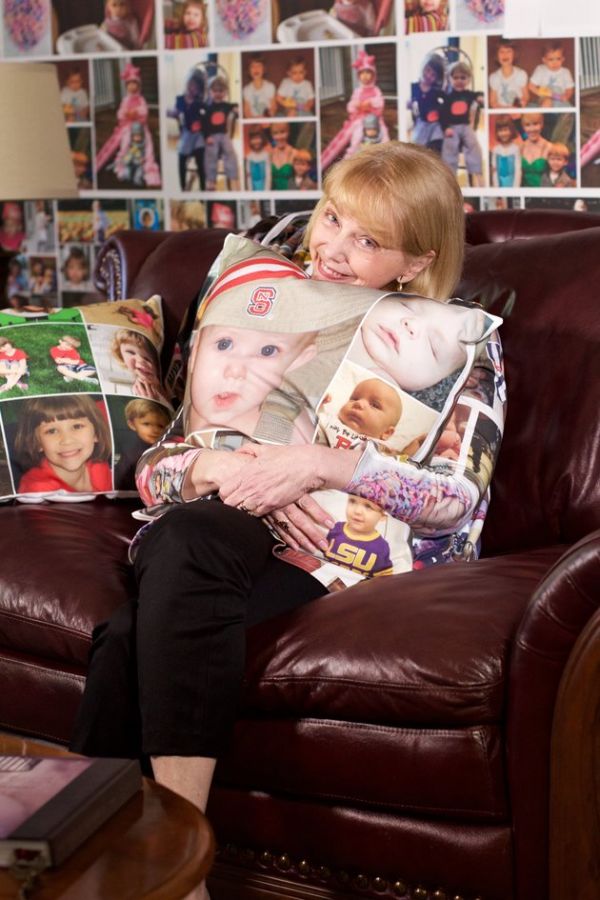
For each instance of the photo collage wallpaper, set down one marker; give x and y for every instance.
(189, 113)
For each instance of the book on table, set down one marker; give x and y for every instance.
(49, 805)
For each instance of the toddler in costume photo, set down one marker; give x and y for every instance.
(356, 544)
(132, 109)
(534, 150)
(189, 28)
(551, 82)
(506, 154)
(63, 443)
(258, 160)
(295, 95)
(367, 99)
(190, 112)
(282, 156)
(233, 370)
(121, 23)
(458, 118)
(428, 99)
(69, 362)
(508, 83)
(220, 119)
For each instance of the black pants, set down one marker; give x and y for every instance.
(166, 670)
(183, 159)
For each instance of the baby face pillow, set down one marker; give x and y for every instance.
(80, 399)
(280, 358)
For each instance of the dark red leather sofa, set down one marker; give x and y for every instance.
(432, 735)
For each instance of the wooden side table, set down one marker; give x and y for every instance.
(158, 846)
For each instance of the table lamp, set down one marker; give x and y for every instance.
(35, 156)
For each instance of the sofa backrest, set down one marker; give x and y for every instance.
(540, 270)
(546, 488)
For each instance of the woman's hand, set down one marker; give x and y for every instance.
(278, 476)
(210, 469)
(302, 525)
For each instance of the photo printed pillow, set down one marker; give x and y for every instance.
(81, 398)
(280, 358)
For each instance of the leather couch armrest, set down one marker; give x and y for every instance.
(557, 615)
(494, 226)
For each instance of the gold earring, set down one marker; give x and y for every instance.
(399, 280)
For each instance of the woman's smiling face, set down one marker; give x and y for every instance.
(343, 251)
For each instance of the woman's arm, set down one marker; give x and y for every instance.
(174, 471)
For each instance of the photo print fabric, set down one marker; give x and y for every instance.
(417, 383)
(81, 398)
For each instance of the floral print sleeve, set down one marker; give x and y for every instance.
(442, 494)
(161, 470)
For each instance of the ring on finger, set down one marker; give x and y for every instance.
(282, 524)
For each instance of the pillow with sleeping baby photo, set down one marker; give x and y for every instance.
(81, 398)
(278, 357)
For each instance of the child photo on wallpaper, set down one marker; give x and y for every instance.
(185, 24)
(507, 83)
(425, 15)
(541, 133)
(505, 152)
(189, 110)
(39, 226)
(285, 139)
(202, 94)
(447, 98)
(258, 92)
(102, 26)
(531, 72)
(127, 145)
(296, 94)
(589, 98)
(74, 84)
(343, 122)
(294, 22)
(76, 268)
(257, 157)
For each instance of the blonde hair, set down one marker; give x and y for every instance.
(135, 409)
(71, 340)
(125, 336)
(407, 199)
(530, 118)
(559, 149)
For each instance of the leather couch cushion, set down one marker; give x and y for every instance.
(344, 657)
(64, 568)
(449, 772)
(546, 486)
